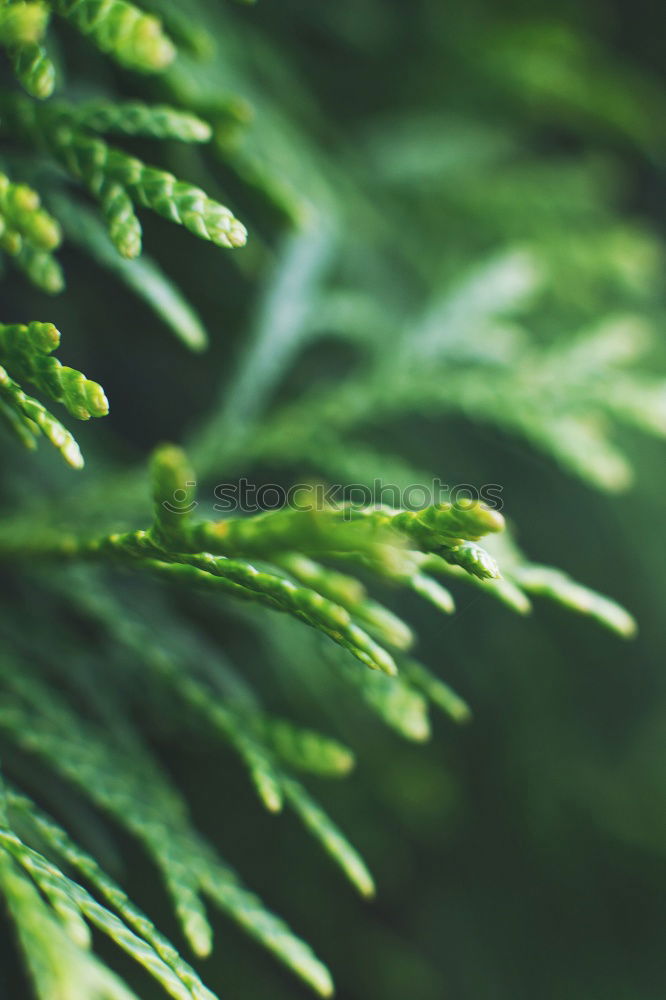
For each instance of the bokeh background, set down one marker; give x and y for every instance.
(525, 854)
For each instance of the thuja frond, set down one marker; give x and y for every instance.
(26, 355)
(41, 268)
(447, 529)
(249, 912)
(536, 580)
(237, 716)
(21, 212)
(190, 33)
(27, 352)
(253, 136)
(78, 860)
(34, 69)
(120, 181)
(123, 780)
(522, 579)
(81, 752)
(22, 23)
(306, 749)
(437, 692)
(395, 700)
(244, 581)
(28, 418)
(157, 121)
(28, 234)
(503, 589)
(350, 594)
(241, 730)
(214, 554)
(72, 903)
(259, 740)
(424, 324)
(471, 351)
(333, 841)
(122, 30)
(22, 26)
(402, 546)
(57, 966)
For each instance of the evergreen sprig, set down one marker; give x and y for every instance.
(426, 334)
(22, 26)
(122, 30)
(41, 268)
(21, 212)
(158, 121)
(26, 355)
(27, 352)
(29, 234)
(119, 180)
(22, 23)
(27, 418)
(214, 554)
(34, 69)
(190, 868)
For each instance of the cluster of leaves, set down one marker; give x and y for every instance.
(446, 339)
(29, 234)
(120, 29)
(26, 353)
(109, 763)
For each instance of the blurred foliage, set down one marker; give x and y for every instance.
(454, 268)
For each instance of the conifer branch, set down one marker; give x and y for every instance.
(123, 226)
(79, 750)
(28, 234)
(56, 965)
(104, 169)
(22, 23)
(21, 211)
(122, 30)
(26, 354)
(35, 418)
(41, 268)
(206, 553)
(26, 351)
(427, 329)
(34, 69)
(78, 860)
(158, 121)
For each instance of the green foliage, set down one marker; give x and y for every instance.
(29, 234)
(122, 30)
(34, 69)
(27, 418)
(22, 214)
(497, 323)
(22, 23)
(22, 26)
(118, 179)
(26, 354)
